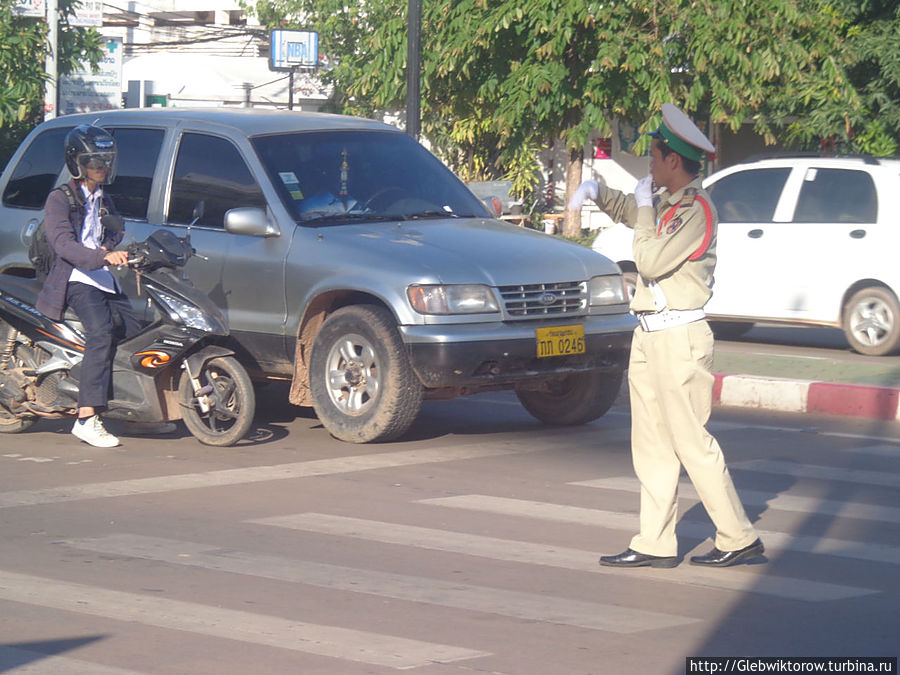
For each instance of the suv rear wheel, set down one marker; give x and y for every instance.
(362, 383)
(574, 399)
(872, 321)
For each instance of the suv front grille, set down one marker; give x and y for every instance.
(541, 300)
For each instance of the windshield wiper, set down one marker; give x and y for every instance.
(347, 217)
(438, 214)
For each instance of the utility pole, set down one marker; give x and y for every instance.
(50, 93)
(413, 68)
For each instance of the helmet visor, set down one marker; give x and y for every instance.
(99, 161)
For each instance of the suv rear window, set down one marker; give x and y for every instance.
(37, 170)
(749, 196)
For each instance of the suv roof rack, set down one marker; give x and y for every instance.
(787, 154)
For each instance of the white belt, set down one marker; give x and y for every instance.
(653, 321)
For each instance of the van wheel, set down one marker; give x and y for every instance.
(872, 321)
(574, 399)
(362, 383)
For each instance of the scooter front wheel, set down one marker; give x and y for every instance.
(223, 412)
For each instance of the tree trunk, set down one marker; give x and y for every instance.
(572, 223)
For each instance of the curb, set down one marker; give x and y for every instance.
(801, 396)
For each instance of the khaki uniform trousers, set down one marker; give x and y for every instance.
(671, 398)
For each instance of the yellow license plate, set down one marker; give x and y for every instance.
(560, 340)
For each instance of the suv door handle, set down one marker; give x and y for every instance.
(857, 234)
(755, 234)
(28, 231)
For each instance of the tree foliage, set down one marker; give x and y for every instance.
(23, 49)
(504, 77)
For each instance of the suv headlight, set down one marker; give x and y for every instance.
(452, 299)
(607, 290)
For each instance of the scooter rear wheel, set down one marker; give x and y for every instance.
(233, 402)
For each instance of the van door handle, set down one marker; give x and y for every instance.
(755, 234)
(857, 234)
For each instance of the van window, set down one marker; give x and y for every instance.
(749, 196)
(38, 168)
(138, 151)
(211, 169)
(837, 196)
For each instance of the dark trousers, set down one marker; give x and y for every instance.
(106, 317)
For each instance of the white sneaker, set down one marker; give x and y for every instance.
(93, 432)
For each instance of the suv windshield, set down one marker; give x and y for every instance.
(341, 176)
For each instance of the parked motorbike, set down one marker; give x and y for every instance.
(176, 367)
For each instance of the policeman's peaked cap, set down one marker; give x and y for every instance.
(678, 132)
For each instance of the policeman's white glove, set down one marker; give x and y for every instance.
(589, 189)
(643, 193)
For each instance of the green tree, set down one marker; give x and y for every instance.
(502, 77)
(23, 49)
(870, 33)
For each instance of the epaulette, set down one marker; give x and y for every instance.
(687, 199)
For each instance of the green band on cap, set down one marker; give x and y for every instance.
(679, 145)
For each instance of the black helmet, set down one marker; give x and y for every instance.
(90, 147)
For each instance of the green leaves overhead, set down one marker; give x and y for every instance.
(23, 49)
(501, 78)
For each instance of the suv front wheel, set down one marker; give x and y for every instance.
(872, 321)
(362, 383)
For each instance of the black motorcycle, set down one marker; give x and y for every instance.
(177, 367)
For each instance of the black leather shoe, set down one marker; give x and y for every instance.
(717, 558)
(629, 558)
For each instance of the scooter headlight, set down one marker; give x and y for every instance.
(189, 315)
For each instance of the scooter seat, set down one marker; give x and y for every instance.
(27, 291)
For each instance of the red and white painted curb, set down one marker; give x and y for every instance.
(799, 396)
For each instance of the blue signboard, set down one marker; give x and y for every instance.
(293, 49)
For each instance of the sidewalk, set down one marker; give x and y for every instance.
(851, 387)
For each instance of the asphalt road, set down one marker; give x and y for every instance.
(470, 546)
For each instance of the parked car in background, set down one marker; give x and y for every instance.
(802, 239)
(350, 262)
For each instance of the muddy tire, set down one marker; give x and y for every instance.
(575, 399)
(362, 383)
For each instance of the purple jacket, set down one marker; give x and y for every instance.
(63, 237)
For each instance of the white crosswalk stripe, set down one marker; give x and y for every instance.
(618, 521)
(255, 474)
(611, 618)
(831, 473)
(341, 643)
(828, 507)
(556, 556)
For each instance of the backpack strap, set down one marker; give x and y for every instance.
(76, 206)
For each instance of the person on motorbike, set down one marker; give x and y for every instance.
(80, 276)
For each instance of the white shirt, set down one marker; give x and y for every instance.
(92, 237)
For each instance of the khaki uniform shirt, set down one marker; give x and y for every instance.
(674, 244)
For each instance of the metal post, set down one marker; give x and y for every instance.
(413, 68)
(50, 92)
(291, 90)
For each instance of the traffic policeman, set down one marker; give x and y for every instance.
(669, 372)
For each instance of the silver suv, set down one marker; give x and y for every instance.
(804, 240)
(352, 263)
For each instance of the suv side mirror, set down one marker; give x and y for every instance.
(250, 221)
